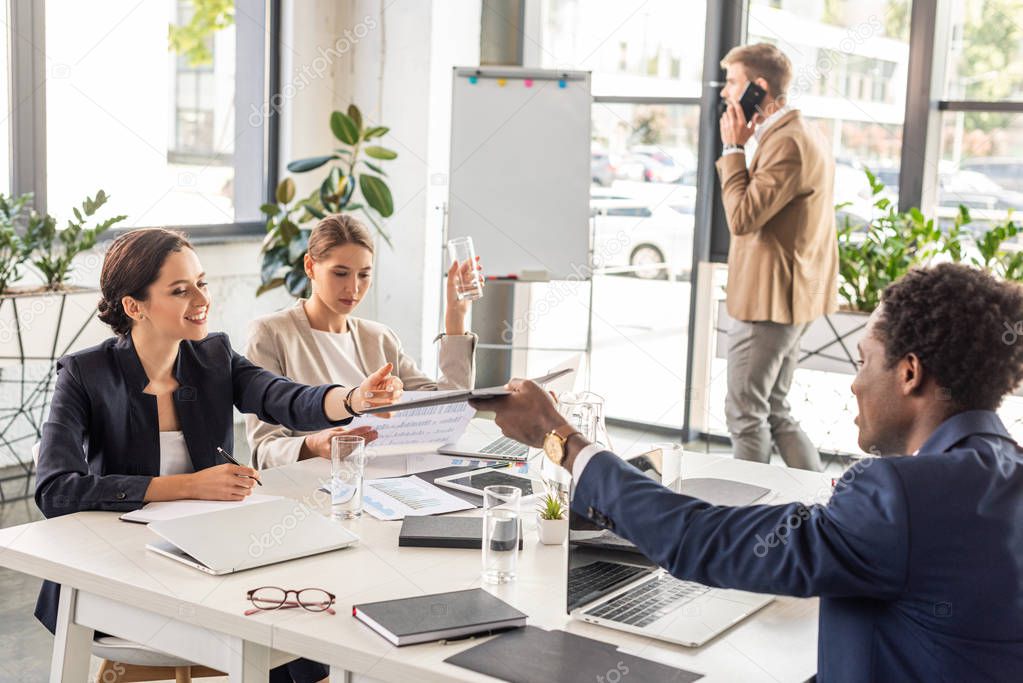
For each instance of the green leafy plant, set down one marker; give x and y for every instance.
(15, 248)
(192, 40)
(551, 507)
(894, 242)
(53, 250)
(352, 183)
(993, 257)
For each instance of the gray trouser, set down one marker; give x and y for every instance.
(762, 358)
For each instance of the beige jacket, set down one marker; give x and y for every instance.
(783, 258)
(283, 343)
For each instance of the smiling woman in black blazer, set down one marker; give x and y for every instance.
(139, 417)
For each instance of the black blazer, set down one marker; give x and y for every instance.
(100, 444)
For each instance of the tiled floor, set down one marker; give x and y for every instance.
(25, 646)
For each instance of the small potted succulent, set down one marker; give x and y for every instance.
(552, 519)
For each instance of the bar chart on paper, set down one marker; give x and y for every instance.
(408, 496)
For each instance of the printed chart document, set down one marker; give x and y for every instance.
(408, 496)
(172, 509)
(417, 430)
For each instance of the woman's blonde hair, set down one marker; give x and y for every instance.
(337, 230)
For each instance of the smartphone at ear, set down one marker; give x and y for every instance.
(750, 101)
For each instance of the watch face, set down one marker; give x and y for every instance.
(554, 448)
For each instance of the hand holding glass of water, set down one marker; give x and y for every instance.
(468, 279)
(347, 467)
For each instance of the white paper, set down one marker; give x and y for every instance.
(417, 430)
(408, 497)
(172, 509)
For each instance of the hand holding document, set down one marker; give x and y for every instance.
(418, 430)
(433, 398)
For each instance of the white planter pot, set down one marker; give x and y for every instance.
(552, 531)
(43, 326)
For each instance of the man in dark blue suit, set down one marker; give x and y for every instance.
(917, 559)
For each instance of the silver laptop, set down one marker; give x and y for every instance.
(483, 438)
(248, 536)
(612, 584)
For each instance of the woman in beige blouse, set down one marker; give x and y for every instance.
(319, 340)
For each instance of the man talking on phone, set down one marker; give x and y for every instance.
(783, 256)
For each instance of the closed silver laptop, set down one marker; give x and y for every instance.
(248, 536)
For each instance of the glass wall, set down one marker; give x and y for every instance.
(647, 61)
(980, 165)
(850, 62)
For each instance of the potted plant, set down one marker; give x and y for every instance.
(552, 519)
(352, 183)
(872, 255)
(39, 324)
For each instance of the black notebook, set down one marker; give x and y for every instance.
(424, 618)
(445, 531)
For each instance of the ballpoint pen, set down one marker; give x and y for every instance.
(230, 459)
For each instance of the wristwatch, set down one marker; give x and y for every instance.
(554, 442)
(729, 147)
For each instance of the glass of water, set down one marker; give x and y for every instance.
(462, 252)
(671, 464)
(500, 533)
(347, 466)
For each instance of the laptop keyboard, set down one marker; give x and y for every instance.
(505, 447)
(649, 601)
(590, 581)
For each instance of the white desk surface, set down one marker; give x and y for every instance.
(97, 553)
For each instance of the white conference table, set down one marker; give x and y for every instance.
(112, 584)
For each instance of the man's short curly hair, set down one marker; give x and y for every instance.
(965, 326)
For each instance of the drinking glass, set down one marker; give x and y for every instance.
(462, 252)
(500, 533)
(347, 466)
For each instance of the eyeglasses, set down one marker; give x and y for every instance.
(271, 598)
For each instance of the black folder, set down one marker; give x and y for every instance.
(531, 654)
(445, 531)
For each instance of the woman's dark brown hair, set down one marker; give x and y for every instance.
(131, 265)
(337, 230)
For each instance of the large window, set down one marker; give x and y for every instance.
(5, 99)
(981, 130)
(647, 62)
(652, 48)
(126, 114)
(850, 65)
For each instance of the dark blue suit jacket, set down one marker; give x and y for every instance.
(918, 560)
(100, 444)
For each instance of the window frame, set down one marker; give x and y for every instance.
(256, 161)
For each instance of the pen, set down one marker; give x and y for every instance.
(230, 459)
